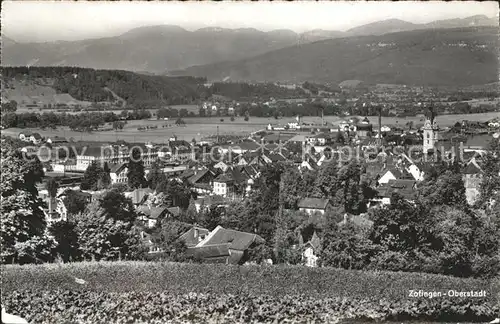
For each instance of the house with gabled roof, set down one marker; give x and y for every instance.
(392, 172)
(118, 173)
(151, 215)
(224, 185)
(221, 165)
(310, 251)
(314, 205)
(404, 188)
(225, 246)
(201, 181)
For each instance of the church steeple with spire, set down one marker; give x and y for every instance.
(430, 129)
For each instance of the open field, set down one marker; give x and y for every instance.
(23, 109)
(199, 127)
(131, 134)
(216, 293)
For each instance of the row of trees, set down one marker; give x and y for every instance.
(85, 121)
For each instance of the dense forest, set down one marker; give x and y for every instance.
(246, 91)
(138, 90)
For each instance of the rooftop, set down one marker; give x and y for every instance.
(235, 240)
(313, 203)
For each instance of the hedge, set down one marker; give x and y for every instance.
(136, 292)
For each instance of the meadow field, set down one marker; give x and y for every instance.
(161, 292)
(199, 127)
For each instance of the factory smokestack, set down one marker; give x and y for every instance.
(379, 125)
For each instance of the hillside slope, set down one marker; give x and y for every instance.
(69, 85)
(462, 56)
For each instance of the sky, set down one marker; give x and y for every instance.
(42, 21)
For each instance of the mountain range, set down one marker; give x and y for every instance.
(159, 49)
(460, 56)
(245, 53)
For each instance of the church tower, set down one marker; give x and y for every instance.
(430, 132)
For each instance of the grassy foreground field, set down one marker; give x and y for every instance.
(137, 292)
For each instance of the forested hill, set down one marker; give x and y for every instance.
(91, 85)
(44, 86)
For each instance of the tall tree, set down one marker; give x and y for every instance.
(95, 177)
(155, 176)
(107, 229)
(23, 231)
(74, 202)
(447, 189)
(136, 173)
(66, 237)
(52, 186)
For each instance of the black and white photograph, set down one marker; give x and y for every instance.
(250, 162)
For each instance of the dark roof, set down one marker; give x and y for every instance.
(36, 136)
(175, 211)
(472, 168)
(314, 242)
(198, 175)
(405, 188)
(116, 167)
(276, 157)
(57, 139)
(186, 174)
(235, 240)
(225, 177)
(313, 203)
(193, 235)
(210, 251)
(364, 127)
(239, 176)
(480, 141)
(153, 212)
(76, 192)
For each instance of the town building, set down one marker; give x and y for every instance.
(364, 128)
(313, 205)
(224, 185)
(118, 173)
(225, 246)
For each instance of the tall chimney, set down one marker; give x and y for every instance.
(379, 125)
